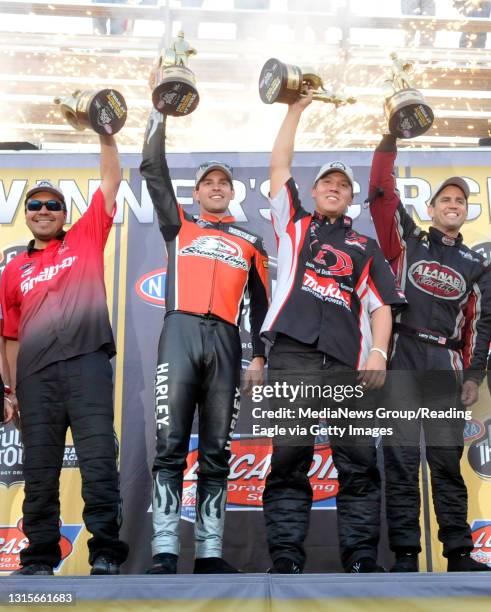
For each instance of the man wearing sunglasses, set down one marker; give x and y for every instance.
(211, 263)
(59, 343)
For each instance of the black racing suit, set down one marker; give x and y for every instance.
(330, 279)
(440, 339)
(211, 263)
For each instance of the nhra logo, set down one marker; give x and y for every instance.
(7, 254)
(435, 279)
(473, 430)
(151, 287)
(12, 452)
(481, 536)
(479, 454)
(250, 463)
(217, 247)
(13, 541)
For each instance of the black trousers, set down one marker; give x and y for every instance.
(287, 498)
(198, 366)
(75, 393)
(437, 390)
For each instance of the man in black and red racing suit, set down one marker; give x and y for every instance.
(211, 263)
(330, 320)
(438, 358)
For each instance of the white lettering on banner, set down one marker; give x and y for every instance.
(474, 210)
(264, 189)
(47, 274)
(72, 194)
(11, 198)
(9, 203)
(418, 201)
(143, 211)
(235, 207)
(162, 395)
(187, 185)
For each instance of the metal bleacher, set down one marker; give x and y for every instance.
(47, 61)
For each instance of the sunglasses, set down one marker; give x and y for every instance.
(51, 205)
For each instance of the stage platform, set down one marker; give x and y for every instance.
(262, 592)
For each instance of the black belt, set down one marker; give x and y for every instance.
(425, 335)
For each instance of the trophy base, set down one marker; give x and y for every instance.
(103, 111)
(176, 94)
(279, 82)
(408, 114)
(107, 112)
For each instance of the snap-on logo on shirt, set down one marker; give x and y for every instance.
(435, 279)
(46, 274)
(217, 247)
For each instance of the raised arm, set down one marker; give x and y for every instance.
(392, 223)
(110, 171)
(282, 153)
(155, 171)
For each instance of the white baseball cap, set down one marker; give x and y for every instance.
(458, 181)
(336, 166)
(208, 166)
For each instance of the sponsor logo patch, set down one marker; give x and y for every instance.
(8, 253)
(325, 288)
(151, 287)
(13, 541)
(46, 274)
(481, 536)
(353, 239)
(241, 234)
(434, 279)
(343, 264)
(217, 247)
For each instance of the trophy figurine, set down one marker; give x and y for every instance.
(103, 111)
(286, 83)
(175, 92)
(408, 114)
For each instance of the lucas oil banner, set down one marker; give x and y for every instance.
(135, 277)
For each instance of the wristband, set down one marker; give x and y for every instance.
(7, 390)
(379, 350)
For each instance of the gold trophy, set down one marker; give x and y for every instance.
(408, 114)
(175, 93)
(286, 83)
(103, 111)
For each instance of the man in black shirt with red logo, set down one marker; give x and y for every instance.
(330, 316)
(59, 342)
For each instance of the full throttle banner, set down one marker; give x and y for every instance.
(135, 279)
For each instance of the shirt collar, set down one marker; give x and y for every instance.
(442, 238)
(342, 221)
(31, 249)
(216, 219)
